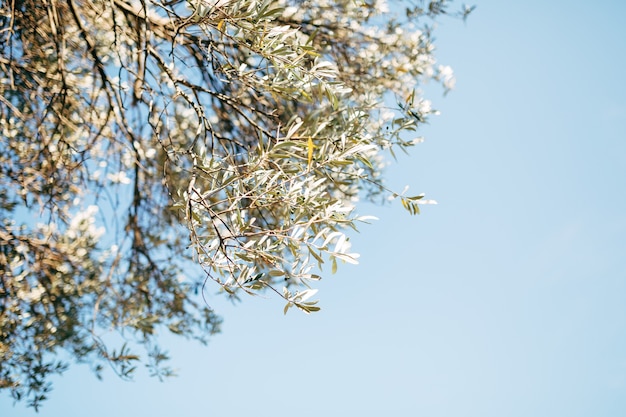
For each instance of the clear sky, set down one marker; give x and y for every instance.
(508, 298)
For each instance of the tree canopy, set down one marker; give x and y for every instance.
(140, 137)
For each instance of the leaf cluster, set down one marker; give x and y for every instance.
(150, 147)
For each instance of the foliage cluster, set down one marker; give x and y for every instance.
(141, 136)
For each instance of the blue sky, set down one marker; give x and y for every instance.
(508, 298)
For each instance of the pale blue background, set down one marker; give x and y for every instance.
(506, 299)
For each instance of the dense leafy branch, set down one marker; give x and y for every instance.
(141, 138)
